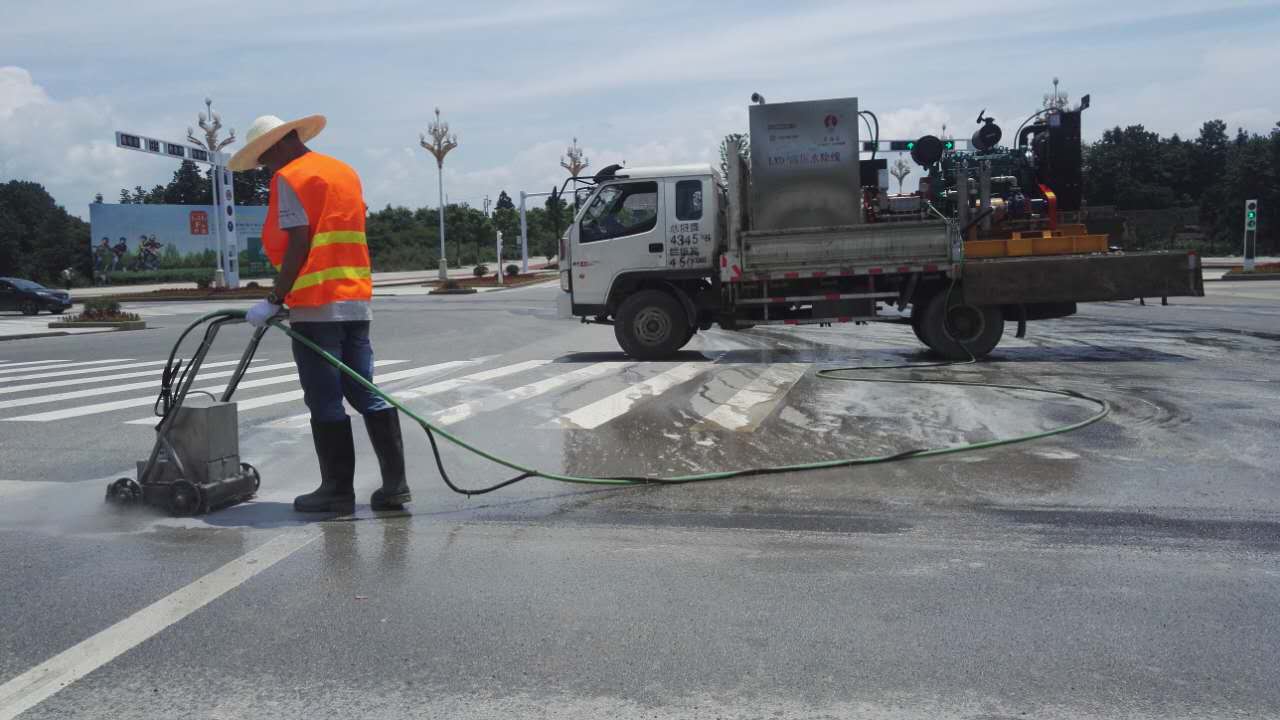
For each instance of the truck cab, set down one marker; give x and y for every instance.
(642, 232)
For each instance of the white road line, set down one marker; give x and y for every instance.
(82, 371)
(9, 369)
(104, 378)
(143, 401)
(290, 396)
(752, 404)
(8, 365)
(602, 411)
(455, 383)
(146, 384)
(42, 681)
(402, 395)
(496, 401)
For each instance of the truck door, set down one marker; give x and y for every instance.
(690, 220)
(618, 232)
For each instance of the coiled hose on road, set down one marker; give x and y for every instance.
(837, 374)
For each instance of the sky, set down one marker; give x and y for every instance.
(641, 83)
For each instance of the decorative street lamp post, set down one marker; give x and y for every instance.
(441, 143)
(228, 275)
(574, 161)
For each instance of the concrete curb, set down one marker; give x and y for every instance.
(1248, 278)
(52, 333)
(121, 325)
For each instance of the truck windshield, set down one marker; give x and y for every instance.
(619, 210)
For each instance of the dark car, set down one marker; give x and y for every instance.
(31, 297)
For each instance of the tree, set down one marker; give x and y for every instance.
(900, 170)
(188, 187)
(38, 238)
(97, 199)
(252, 187)
(504, 202)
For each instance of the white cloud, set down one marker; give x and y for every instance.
(68, 146)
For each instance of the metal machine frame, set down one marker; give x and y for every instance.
(167, 479)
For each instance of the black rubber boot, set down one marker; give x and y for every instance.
(337, 453)
(384, 434)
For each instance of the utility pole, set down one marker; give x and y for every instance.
(441, 143)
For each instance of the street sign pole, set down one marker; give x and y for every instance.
(224, 227)
(224, 207)
(524, 228)
(499, 256)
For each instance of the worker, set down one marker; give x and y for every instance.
(314, 236)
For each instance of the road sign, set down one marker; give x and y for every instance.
(164, 148)
(224, 229)
(1250, 233)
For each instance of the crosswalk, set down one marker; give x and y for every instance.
(549, 393)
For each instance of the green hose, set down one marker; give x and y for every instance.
(828, 374)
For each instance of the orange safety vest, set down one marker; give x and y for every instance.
(337, 268)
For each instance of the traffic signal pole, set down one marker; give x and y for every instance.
(1250, 233)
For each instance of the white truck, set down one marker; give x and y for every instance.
(792, 238)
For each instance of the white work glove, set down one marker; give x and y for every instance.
(260, 313)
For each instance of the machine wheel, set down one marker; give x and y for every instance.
(28, 307)
(124, 492)
(959, 331)
(651, 325)
(252, 472)
(185, 498)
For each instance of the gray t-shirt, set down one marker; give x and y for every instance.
(291, 215)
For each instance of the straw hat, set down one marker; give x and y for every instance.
(267, 131)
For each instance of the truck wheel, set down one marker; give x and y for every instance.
(688, 336)
(917, 320)
(959, 331)
(651, 325)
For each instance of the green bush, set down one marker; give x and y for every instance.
(101, 305)
(481, 270)
(102, 310)
(146, 277)
(513, 270)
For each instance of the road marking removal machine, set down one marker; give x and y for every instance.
(194, 466)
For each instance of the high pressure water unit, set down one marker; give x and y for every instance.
(195, 465)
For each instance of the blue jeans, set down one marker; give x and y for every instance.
(324, 385)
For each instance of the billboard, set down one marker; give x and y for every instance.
(163, 238)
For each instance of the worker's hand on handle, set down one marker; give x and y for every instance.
(261, 313)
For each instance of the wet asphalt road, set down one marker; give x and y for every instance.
(1129, 569)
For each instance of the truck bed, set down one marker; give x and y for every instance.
(1082, 278)
(844, 246)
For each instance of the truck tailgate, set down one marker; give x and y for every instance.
(1082, 278)
(845, 246)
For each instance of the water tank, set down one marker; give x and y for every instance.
(804, 164)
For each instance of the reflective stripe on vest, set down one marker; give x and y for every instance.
(337, 265)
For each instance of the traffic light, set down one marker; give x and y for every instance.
(1250, 214)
